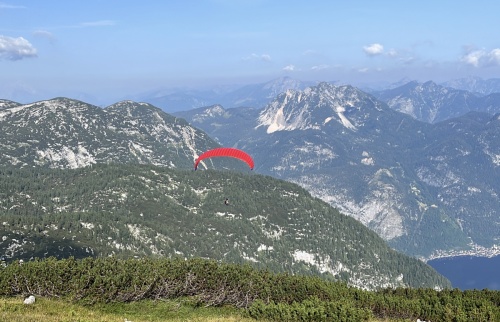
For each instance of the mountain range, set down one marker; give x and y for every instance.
(251, 95)
(78, 180)
(428, 101)
(428, 189)
(475, 85)
(433, 103)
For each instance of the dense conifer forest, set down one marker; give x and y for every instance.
(143, 210)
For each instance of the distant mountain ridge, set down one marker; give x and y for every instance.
(256, 95)
(427, 101)
(432, 103)
(475, 85)
(253, 95)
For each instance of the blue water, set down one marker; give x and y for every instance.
(468, 272)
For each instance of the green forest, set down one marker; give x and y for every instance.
(132, 211)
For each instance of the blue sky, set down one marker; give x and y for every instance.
(111, 49)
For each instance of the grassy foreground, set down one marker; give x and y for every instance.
(111, 289)
(57, 310)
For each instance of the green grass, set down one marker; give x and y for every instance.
(59, 310)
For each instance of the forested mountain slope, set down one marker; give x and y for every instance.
(144, 210)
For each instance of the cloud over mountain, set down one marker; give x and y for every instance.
(373, 49)
(482, 57)
(16, 48)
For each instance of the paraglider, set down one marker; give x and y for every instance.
(226, 152)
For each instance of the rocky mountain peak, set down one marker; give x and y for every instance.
(316, 106)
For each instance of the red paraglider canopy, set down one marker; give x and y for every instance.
(226, 152)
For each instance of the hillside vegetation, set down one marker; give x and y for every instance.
(143, 210)
(259, 294)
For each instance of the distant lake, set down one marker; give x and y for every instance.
(469, 272)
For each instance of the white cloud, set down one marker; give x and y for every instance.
(289, 68)
(473, 57)
(263, 57)
(393, 53)
(320, 67)
(15, 48)
(404, 56)
(481, 57)
(495, 56)
(373, 49)
(9, 6)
